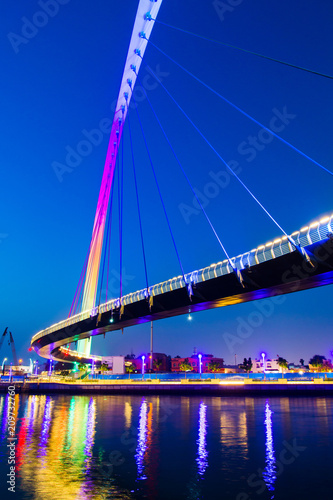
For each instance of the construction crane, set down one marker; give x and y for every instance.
(3, 336)
(11, 343)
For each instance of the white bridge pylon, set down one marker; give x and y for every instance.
(142, 29)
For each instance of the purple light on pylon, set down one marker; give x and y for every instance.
(123, 101)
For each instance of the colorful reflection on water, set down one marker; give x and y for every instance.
(269, 473)
(142, 440)
(202, 455)
(156, 447)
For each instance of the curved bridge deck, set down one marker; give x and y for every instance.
(271, 269)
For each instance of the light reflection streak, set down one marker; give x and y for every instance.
(2, 401)
(202, 454)
(44, 435)
(9, 407)
(269, 473)
(128, 414)
(142, 440)
(70, 423)
(47, 462)
(5, 418)
(22, 436)
(31, 418)
(89, 441)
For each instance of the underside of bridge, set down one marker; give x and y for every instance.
(286, 274)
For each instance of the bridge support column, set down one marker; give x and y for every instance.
(151, 346)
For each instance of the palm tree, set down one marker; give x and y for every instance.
(247, 365)
(130, 369)
(301, 361)
(283, 364)
(157, 364)
(214, 366)
(185, 366)
(104, 368)
(317, 362)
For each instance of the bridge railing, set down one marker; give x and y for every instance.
(308, 235)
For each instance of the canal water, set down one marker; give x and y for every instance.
(160, 447)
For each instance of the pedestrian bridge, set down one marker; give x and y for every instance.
(278, 267)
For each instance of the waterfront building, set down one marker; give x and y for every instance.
(194, 360)
(161, 362)
(266, 365)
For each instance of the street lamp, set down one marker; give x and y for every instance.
(263, 354)
(200, 363)
(143, 366)
(3, 363)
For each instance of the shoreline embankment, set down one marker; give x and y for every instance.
(314, 388)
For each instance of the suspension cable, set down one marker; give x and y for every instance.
(224, 44)
(120, 215)
(107, 243)
(185, 175)
(138, 203)
(239, 109)
(76, 299)
(78, 288)
(223, 161)
(160, 194)
(109, 251)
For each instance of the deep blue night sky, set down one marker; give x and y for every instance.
(63, 80)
